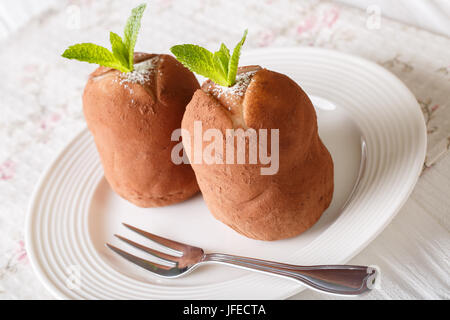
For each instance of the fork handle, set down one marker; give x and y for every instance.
(335, 279)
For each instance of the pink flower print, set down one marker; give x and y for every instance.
(164, 4)
(434, 108)
(31, 68)
(50, 121)
(30, 74)
(7, 170)
(330, 17)
(307, 25)
(21, 254)
(55, 117)
(266, 38)
(27, 80)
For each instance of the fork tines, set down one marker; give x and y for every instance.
(163, 270)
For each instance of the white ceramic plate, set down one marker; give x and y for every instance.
(73, 212)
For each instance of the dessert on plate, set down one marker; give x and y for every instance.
(132, 103)
(266, 206)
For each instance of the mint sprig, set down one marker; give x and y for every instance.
(219, 66)
(132, 30)
(122, 55)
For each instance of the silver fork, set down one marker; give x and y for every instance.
(333, 279)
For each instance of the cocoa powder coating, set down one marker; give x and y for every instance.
(264, 207)
(132, 117)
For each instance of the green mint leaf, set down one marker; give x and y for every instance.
(201, 61)
(122, 55)
(225, 50)
(119, 50)
(132, 30)
(221, 60)
(92, 53)
(234, 61)
(219, 66)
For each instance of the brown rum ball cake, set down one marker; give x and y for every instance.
(264, 207)
(132, 103)
(132, 116)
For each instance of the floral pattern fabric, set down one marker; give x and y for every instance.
(41, 92)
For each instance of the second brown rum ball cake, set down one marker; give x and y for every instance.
(263, 207)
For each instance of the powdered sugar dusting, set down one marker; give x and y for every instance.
(142, 72)
(239, 88)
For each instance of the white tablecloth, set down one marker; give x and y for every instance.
(431, 15)
(40, 107)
